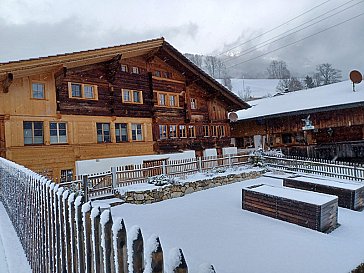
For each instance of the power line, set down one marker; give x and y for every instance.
(287, 45)
(267, 42)
(264, 33)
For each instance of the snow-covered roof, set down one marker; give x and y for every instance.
(320, 97)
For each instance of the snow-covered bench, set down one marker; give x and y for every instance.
(313, 210)
(350, 194)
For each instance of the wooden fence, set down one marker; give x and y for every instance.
(61, 233)
(342, 170)
(97, 184)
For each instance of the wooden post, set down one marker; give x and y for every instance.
(72, 241)
(66, 237)
(230, 161)
(95, 227)
(200, 164)
(85, 187)
(182, 267)
(119, 233)
(113, 177)
(86, 211)
(138, 252)
(164, 169)
(106, 230)
(60, 231)
(157, 258)
(79, 235)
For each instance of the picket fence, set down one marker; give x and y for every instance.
(342, 170)
(61, 233)
(97, 184)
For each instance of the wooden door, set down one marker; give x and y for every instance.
(2, 137)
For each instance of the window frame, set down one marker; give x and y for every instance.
(118, 127)
(124, 68)
(214, 131)
(131, 96)
(193, 103)
(167, 99)
(82, 90)
(163, 131)
(32, 90)
(193, 127)
(221, 131)
(174, 134)
(33, 136)
(67, 175)
(58, 132)
(204, 130)
(136, 130)
(135, 70)
(184, 130)
(103, 135)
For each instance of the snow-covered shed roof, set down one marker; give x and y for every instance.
(338, 95)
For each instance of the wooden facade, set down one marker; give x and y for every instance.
(120, 101)
(338, 132)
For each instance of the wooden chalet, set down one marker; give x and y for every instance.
(325, 122)
(135, 99)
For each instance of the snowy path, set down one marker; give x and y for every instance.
(12, 257)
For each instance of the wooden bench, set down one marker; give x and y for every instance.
(351, 194)
(308, 209)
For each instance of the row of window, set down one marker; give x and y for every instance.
(184, 131)
(34, 132)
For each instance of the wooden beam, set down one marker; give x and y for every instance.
(7, 82)
(112, 67)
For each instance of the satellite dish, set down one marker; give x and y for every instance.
(355, 76)
(233, 116)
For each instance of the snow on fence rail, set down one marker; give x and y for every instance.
(106, 182)
(342, 170)
(61, 233)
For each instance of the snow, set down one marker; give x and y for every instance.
(343, 185)
(211, 228)
(258, 87)
(295, 194)
(150, 246)
(174, 259)
(323, 96)
(132, 235)
(12, 256)
(78, 201)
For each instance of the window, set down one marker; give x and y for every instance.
(132, 96)
(182, 131)
(88, 91)
(193, 103)
(66, 175)
(167, 75)
(135, 70)
(286, 138)
(76, 90)
(103, 132)
(124, 68)
(121, 132)
(38, 90)
(206, 131)
(157, 73)
(214, 130)
(162, 99)
(221, 130)
(58, 132)
(33, 132)
(137, 96)
(137, 132)
(162, 131)
(82, 91)
(172, 131)
(191, 131)
(173, 100)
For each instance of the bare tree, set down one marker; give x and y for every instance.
(195, 58)
(211, 65)
(289, 85)
(278, 70)
(309, 83)
(220, 68)
(327, 74)
(226, 80)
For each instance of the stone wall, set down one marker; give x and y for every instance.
(178, 190)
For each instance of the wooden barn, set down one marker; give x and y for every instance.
(135, 99)
(324, 122)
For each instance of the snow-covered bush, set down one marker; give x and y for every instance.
(161, 180)
(216, 170)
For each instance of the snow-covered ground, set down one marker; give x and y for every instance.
(256, 88)
(12, 256)
(211, 228)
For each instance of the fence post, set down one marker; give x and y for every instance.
(106, 235)
(230, 161)
(138, 252)
(95, 224)
(113, 177)
(200, 164)
(157, 258)
(85, 186)
(120, 247)
(182, 266)
(164, 169)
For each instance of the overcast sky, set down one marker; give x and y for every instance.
(40, 28)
